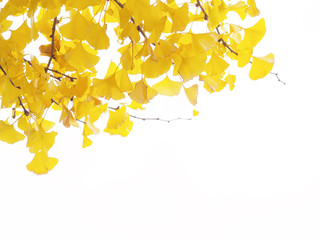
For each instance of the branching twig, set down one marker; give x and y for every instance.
(132, 20)
(159, 119)
(55, 71)
(26, 112)
(52, 43)
(279, 80)
(202, 10)
(152, 119)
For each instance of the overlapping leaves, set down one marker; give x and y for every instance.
(155, 39)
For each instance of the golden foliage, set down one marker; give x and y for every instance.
(154, 39)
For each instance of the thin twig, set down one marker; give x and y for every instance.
(279, 80)
(152, 119)
(55, 71)
(202, 10)
(26, 112)
(52, 43)
(132, 20)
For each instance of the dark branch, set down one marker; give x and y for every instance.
(202, 10)
(132, 20)
(26, 112)
(152, 119)
(279, 80)
(52, 43)
(55, 71)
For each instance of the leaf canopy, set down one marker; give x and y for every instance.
(154, 48)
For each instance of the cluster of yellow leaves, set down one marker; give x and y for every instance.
(158, 40)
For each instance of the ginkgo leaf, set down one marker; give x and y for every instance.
(142, 92)
(230, 79)
(153, 69)
(213, 83)
(261, 66)
(180, 18)
(192, 94)
(214, 16)
(8, 134)
(195, 113)
(123, 81)
(86, 142)
(252, 10)
(40, 140)
(42, 163)
(167, 87)
(216, 65)
(77, 28)
(108, 88)
(80, 58)
(22, 36)
(253, 35)
(119, 122)
(244, 56)
(191, 67)
(97, 36)
(240, 8)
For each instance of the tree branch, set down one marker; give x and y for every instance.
(52, 43)
(26, 112)
(132, 19)
(152, 119)
(202, 10)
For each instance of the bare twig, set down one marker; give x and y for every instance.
(152, 119)
(52, 43)
(132, 20)
(279, 80)
(26, 112)
(62, 74)
(202, 10)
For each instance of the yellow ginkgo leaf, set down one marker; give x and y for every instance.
(253, 35)
(108, 88)
(230, 79)
(195, 113)
(123, 81)
(167, 87)
(142, 92)
(97, 36)
(40, 140)
(252, 10)
(240, 8)
(192, 94)
(119, 122)
(214, 17)
(86, 142)
(244, 56)
(21, 37)
(8, 134)
(216, 65)
(153, 69)
(180, 18)
(42, 163)
(213, 83)
(77, 28)
(261, 66)
(191, 67)
(80, 58)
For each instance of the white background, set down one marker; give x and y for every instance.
(246, 168)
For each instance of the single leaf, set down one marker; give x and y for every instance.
(42, 163)
(8, 134)
(192, 94)
(167, 87)
(119, 122)
(261, 66)
(253, 35)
